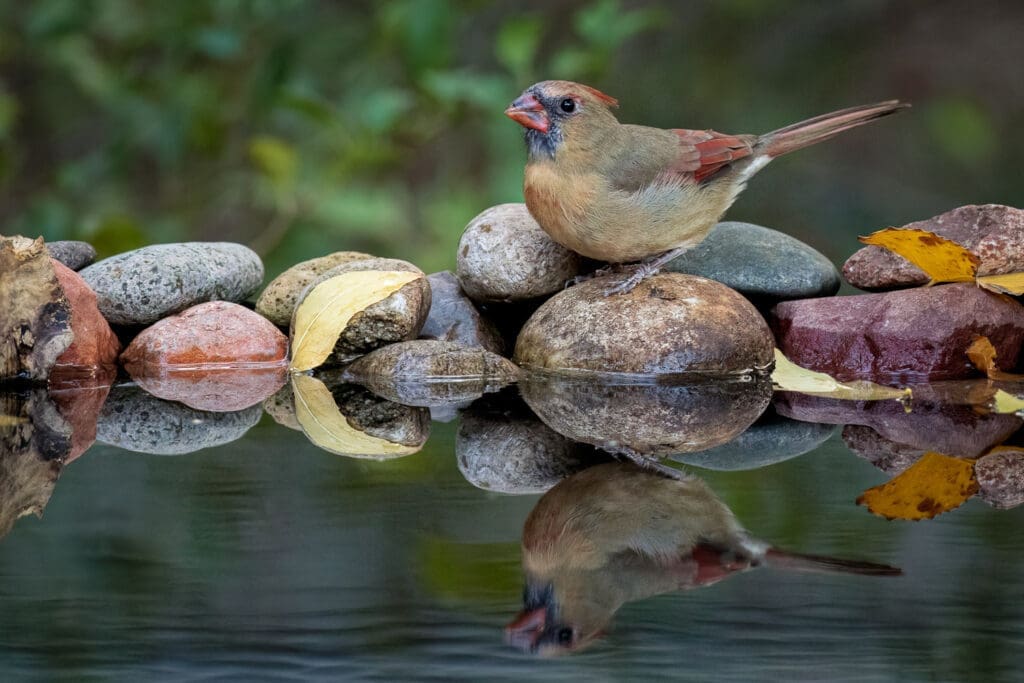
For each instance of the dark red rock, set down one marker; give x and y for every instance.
(217, 332)
(956, 430)
(908, 336)
(993, 232)
(94, 344)
(1001, 478)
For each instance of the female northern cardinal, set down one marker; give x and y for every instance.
(618, 192)
(617, 532)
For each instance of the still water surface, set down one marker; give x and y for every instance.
(270, 559)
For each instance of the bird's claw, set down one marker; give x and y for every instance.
(600, 272)
(641, 272)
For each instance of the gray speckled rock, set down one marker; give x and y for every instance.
(770, 440)
(760, 263)
(147, 284)
(73, 254)
(453, 316)
(1001, 478)
(277, 302)
(136, 421)
(504, 255)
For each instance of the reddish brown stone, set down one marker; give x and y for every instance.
(906, 336)
(217, 390)
(956, 430)
(79, 398)
(993, 232)
(217, 332)
(1001, 478)
(95, 344)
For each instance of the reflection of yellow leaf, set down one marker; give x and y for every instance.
(1009, 283)
(329, 306)
(934, 484)
(326, 427)
(1004, 402)
(942, 260)
(789, 376)
(12, 420)
(983, 355)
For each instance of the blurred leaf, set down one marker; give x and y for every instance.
(604, 23)
(941, 259)
(517, 43)
(788, 376)
(117, 233)
(8, 112)
(275, 158)
(933, 485)
(1006, 283)
(963, 130)
(218, 43)
(1006, 403)
(983, 354)
(481, 91)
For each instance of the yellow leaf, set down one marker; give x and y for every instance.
(1004, 402)
(942, 260)
(983, 355)
(934, 484)
(327, 428)
(12, 420)
(1009, 283)
(789, 376)
(329, 306)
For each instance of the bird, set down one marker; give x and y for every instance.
(620, 193)
(617, 532)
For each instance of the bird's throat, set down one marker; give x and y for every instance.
(543, 145)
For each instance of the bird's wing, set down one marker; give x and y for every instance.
(702, 153)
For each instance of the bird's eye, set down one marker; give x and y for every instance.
(568, 105)
(565, 634)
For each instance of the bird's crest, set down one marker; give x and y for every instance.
(607, 99)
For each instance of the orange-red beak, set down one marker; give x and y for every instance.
(528, 112)
(526, 629)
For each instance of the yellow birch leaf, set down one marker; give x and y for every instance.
(933, 485)
(942, 260)
(983, 355)
(788, 376)
(329, 306)
(328, 429)
(1009, 283)
(1005, 402)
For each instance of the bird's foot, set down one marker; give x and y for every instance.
(600, 272)
(647, 462)
(643, 270)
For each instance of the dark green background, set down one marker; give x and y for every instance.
(302, 127)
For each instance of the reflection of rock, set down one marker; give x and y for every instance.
(770, 440)
(219, 390)
(281, 407)
(347, 419)
(95, 344)
(453, 316)
(670, 323)
(921, 334)
(511, 451)
(504, 255)
(651, 419)
(1001, 477)
(885, 454)
(136, 421)
(426, 372)
(34, 441)
(277, 302)
(616, 533)
(80, 398)
(35, 318)
(956, 430)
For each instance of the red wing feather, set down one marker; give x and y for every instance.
(705, 152)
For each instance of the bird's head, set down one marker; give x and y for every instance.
(557, 113)
(549, 626)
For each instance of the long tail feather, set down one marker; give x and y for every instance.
(821, 563)
(812, 131)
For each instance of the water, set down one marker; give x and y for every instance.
(268, 558)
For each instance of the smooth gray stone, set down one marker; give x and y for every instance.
(136, 421)
(760, 263)
(147, 284)
(770, 440)
(73, 254)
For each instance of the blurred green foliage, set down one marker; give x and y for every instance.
(302, 126)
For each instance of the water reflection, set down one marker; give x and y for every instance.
(616, 533)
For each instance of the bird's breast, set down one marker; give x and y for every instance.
(561, 203)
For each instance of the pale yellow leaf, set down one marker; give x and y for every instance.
(1009, 283)
(327, 428)
(942, 260)
(329, 306)
(788, 376)
(12, 420)
(1005, 402)
(934, 484)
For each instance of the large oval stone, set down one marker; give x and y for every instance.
(670, 323)
(142, 286)
(278, 300)
(504, 255)
(760, 263)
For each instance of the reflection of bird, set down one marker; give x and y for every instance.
(622, 193)
(615, 533)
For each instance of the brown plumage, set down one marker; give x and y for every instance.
(615, 533)
(620, 192)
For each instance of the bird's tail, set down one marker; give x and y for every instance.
(812, 131)
(820, 563)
